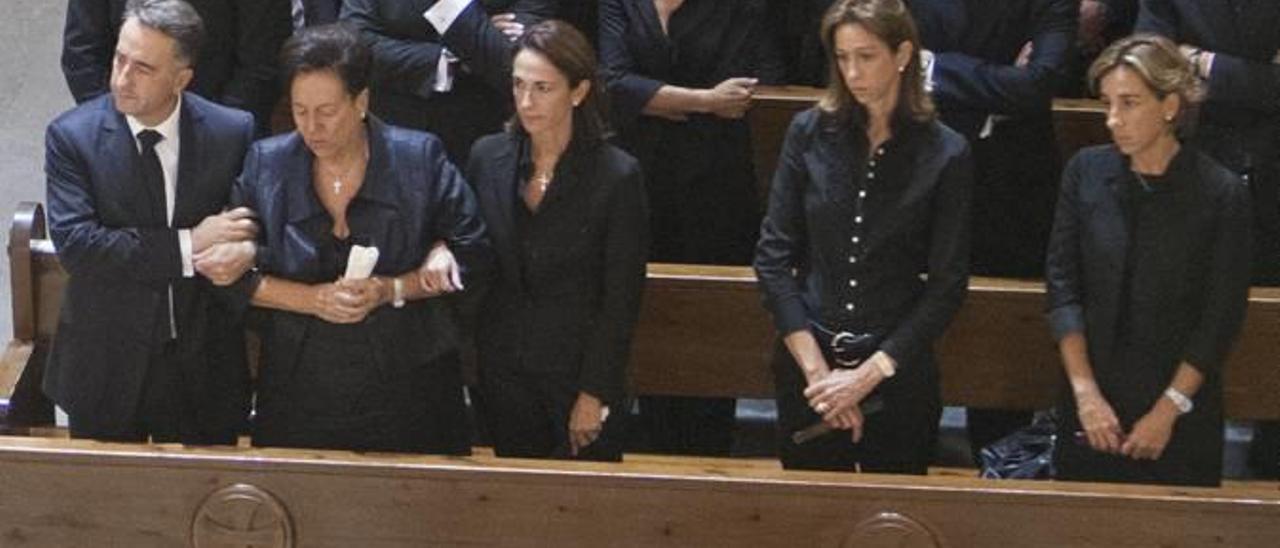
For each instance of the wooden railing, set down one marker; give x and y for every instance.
(77, 493)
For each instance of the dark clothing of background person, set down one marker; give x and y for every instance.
(1106, 22)
(1004, 108)
(976, 81)
(1239, 126)
(116, 367)
(796, 27)
(320, 12)
(583, 15)
(1239, 122)
(236, 65)
(847, 236)
(1152, 278)
(699, 174)
(393, 381)
(559, 318)
(406, 54)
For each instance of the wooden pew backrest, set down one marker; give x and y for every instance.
(704, 332)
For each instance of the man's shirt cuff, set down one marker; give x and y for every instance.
(184, 247)
(443, 13)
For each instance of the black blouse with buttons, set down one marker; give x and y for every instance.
(868, 241)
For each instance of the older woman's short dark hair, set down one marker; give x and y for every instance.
(570, 52)
(335, 47)
(173, 18)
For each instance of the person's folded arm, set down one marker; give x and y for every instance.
(88, 247)
(963, 81)
(399, 64)
(629, 91)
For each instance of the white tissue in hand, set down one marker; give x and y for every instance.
(360, 263)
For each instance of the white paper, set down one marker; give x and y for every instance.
(361, 262)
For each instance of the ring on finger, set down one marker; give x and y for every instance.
(821, 408)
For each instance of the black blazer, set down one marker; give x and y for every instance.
(1208, 281)
(568, 295)
(120, 267)
(237, 62)
(411, 198)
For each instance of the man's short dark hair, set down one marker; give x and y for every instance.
(173, 18)
(334, 47)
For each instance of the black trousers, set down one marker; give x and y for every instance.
(166, 410)
(689, 426)
(898, 439)
(527, 415)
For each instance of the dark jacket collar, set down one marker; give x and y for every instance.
(379, 184)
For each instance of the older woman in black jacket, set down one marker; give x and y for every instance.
(570, 223)
(863, 255)
(1148, 273)
(354, 362)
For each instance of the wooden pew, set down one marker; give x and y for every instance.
(704, 332)
(1077, 123)
(77, 493)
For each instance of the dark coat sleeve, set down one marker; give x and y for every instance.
(1227, 291)
(962, 80)
(321, 12)
(485, 50)
(88, 46)
(629, 90)
(408, 66)
(1064, 279)
(781, 250)
(626, 249)
(86, 247)
(948, 281)
(1234, 80)
(261, 28)
(457, 217)
(533, 11)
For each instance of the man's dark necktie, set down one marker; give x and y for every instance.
(153, 181)
(153, 177)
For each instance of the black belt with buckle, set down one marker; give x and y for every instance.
(848, 349)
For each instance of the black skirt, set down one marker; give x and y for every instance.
(340, 392)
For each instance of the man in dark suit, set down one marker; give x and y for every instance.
(456, 83)
(1235, 48)
(237, 61)
(136, 182)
